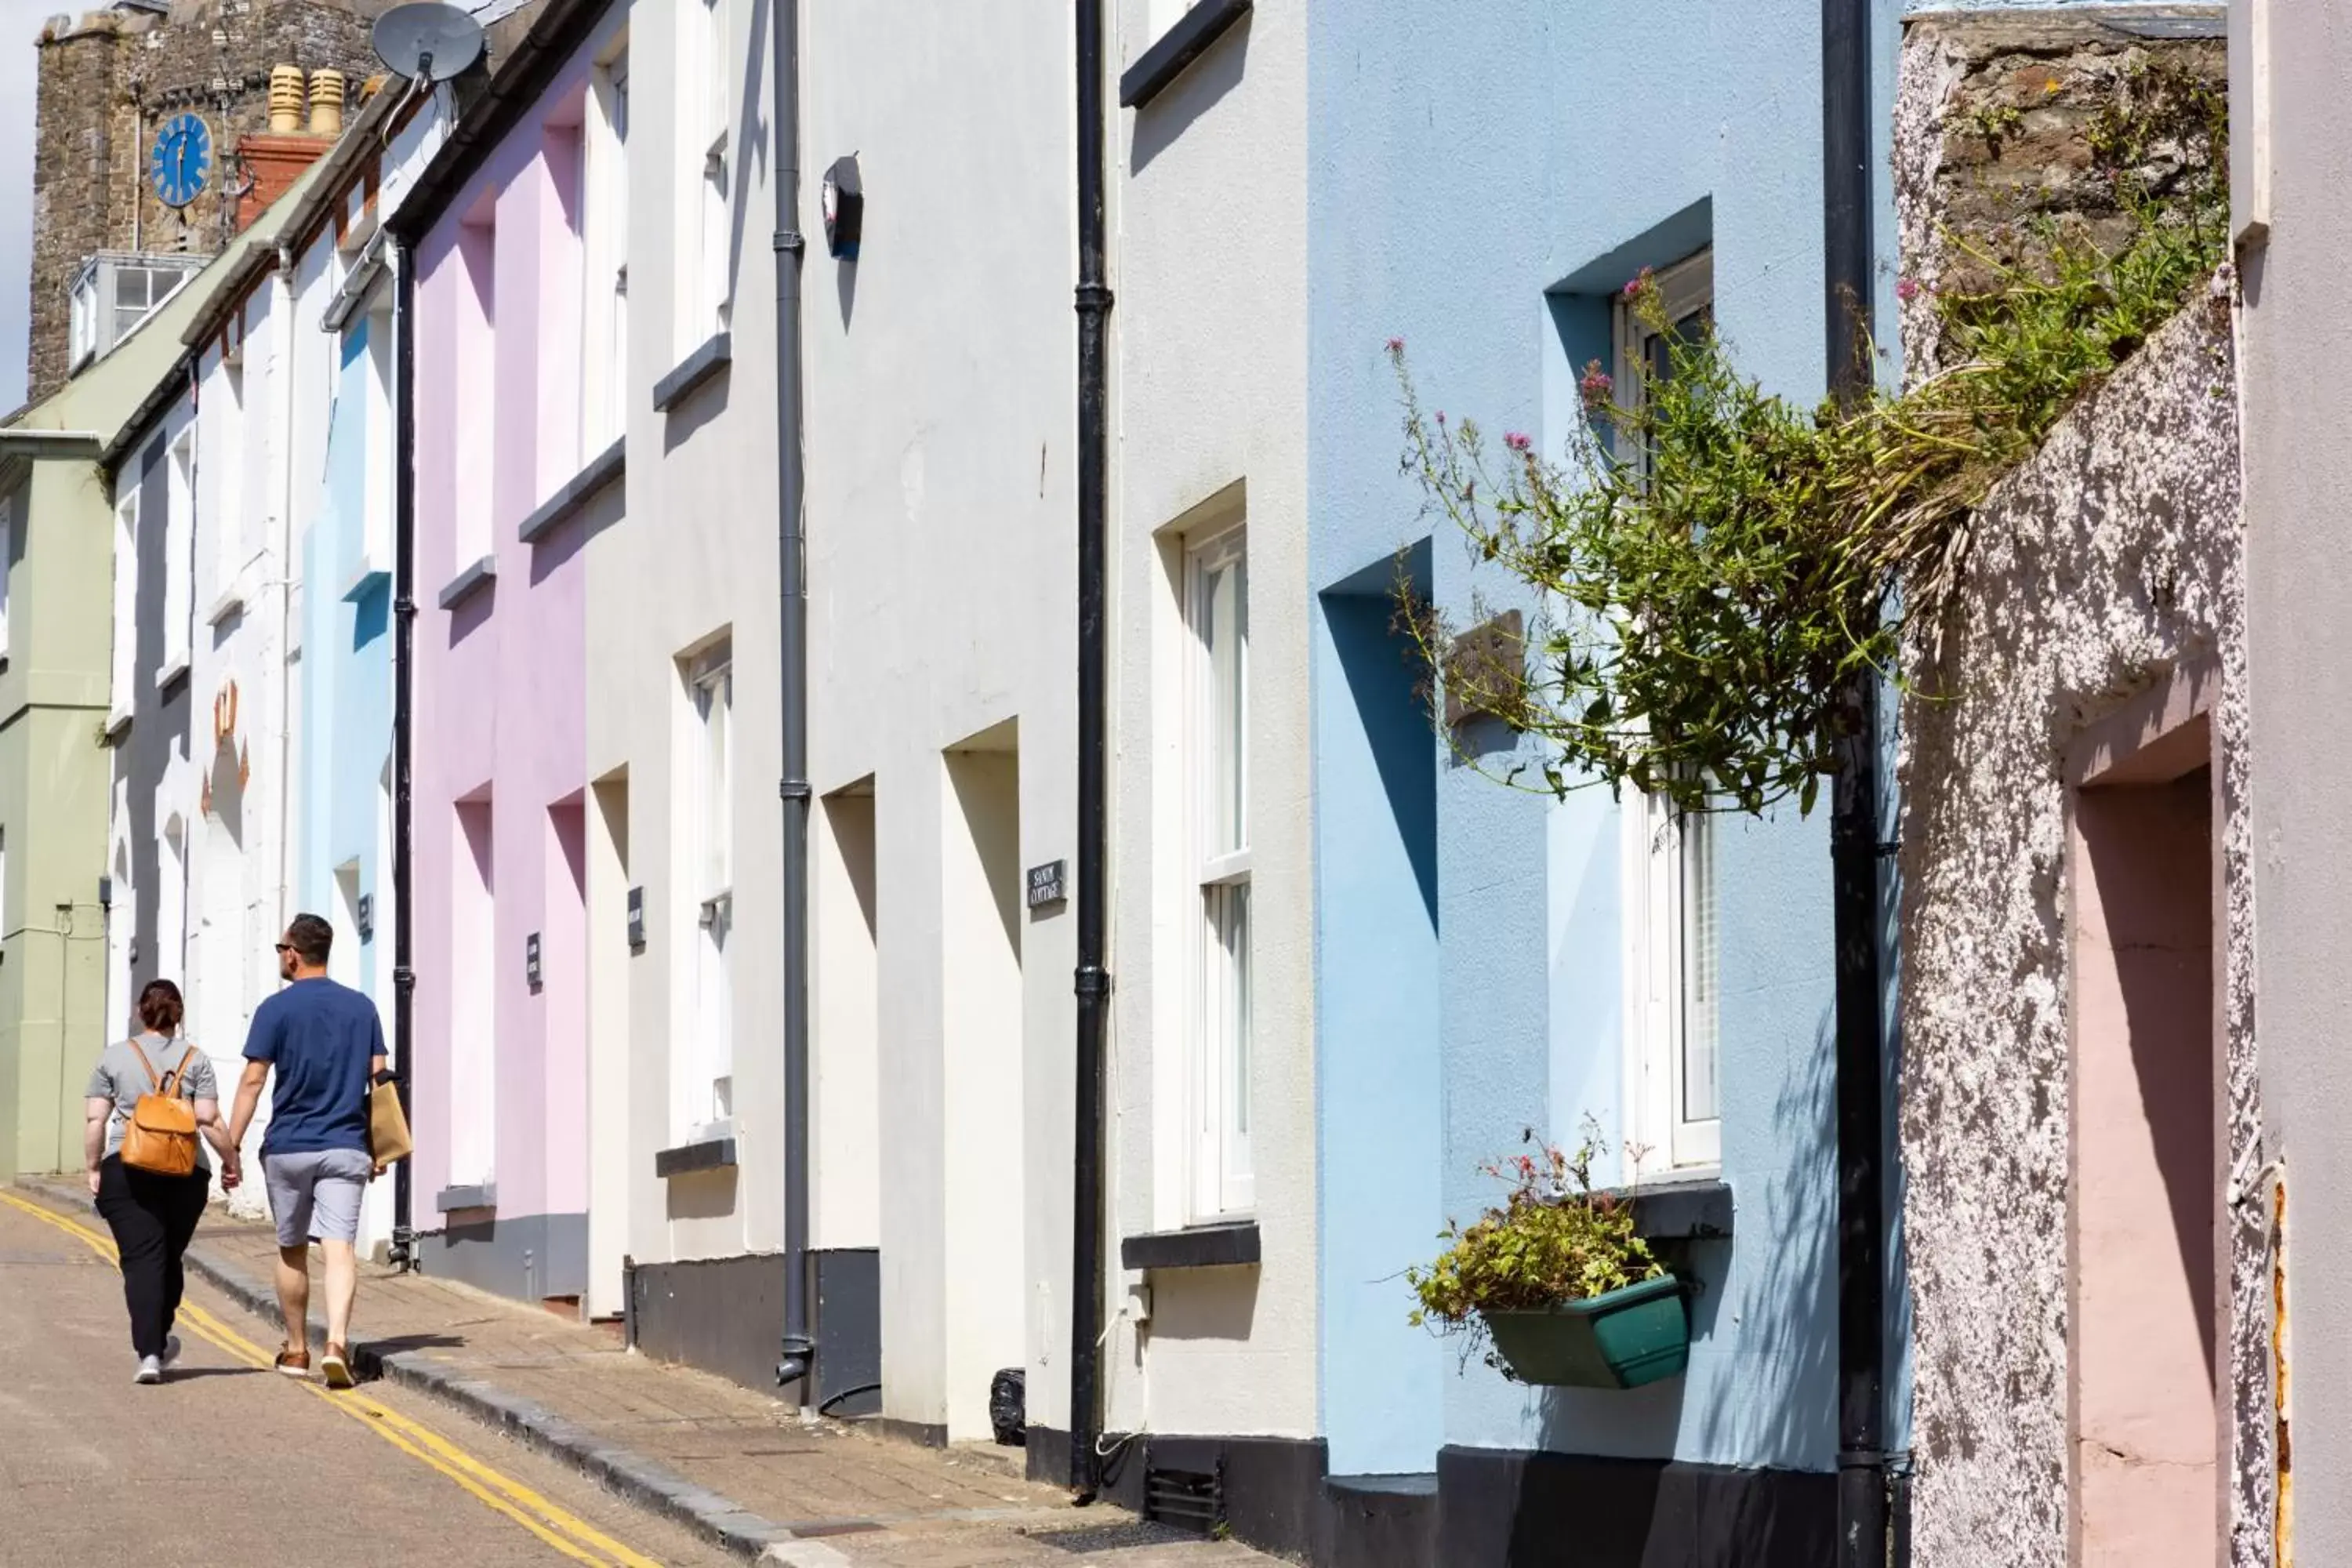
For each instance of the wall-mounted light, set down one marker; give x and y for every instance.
(844, 208)
(366, 917)
(636, 919)
(530, 960)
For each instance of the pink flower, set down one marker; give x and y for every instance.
(1516, 441)
(1396, 345)
(1440, 417)
(1906, 290)
(1595, 386)
(1639, 281)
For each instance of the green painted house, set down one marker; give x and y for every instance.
(57, 617)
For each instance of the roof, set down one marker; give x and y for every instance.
(514, 87)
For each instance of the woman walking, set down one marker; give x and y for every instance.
(152, 1215)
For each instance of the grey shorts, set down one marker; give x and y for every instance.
(316, 1197)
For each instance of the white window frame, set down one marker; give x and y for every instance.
(705, 102)
(179, 555)
(1672, 953)
(604, 239)
(83, 329)
(1221, 1173)
(706, 874)
(126, 605)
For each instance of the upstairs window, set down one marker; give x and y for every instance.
(1673, 939)
(705, 840)
(178, 552)
(1217, 770)
(704, 225)
(126, 602)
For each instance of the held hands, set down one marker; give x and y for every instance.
(232, 1173)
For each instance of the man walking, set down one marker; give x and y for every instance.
(327, 1046)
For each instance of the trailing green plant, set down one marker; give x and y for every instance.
(1717, 565)
(1552, 1239)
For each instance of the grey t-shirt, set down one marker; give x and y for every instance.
(119, 1077)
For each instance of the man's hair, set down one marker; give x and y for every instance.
(312, 938)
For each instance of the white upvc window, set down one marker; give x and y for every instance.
(1216, 613)
(1672, 940)
(84, 335)
(230, 448)
(126, 602)
(605, 293)
(706, 1083)
(178, 552)
(704, 224)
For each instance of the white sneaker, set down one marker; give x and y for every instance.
(151, 1370)
(170, 1357)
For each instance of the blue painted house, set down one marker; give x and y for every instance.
(1434, 964)
(1491, 961)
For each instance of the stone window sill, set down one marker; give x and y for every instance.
(470, 580)
(687, 1159)
(1233, 1244)
(573, 494)
(1187, 41)
(692, 371)
(451, 1200)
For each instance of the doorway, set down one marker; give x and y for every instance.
(981, 913)
(2145, 1191)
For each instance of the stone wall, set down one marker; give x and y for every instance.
(1995, 119)
(107, 80)
(2097, 571)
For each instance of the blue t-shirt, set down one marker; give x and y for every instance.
(321, 1038)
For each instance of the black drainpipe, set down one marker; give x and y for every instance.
(1094, 301)
(1853, 841)
(799, 1348)
(403, 677)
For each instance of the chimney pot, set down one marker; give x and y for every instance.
(285, 100)
(325, 102)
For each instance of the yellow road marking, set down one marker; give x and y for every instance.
(566, 1531)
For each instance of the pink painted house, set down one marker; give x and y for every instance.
(515, 473)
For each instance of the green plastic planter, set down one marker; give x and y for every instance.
(1629, 1337)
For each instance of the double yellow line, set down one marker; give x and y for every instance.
(566, 1531)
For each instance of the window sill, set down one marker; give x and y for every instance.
(365, 579)
(1227, 1245)
(451, 1200)
(175, 671)
(118, 720)
(229, 603)
(687, 1159)
(573, 494)
(1183, 43)
(692, 371)
(1688, 1208)
(472, 580)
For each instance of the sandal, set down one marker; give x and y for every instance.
(293, 1363)
(336, 1367)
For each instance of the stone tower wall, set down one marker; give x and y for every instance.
(107, 81)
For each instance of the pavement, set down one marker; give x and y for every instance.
(665, 1465)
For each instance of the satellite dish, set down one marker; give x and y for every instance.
(427, 42)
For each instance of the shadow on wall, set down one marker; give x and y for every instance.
(1161, 122)
(1211, 1304)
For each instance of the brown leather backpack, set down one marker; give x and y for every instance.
(160, 1136)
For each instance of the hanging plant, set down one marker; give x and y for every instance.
(1716, 563)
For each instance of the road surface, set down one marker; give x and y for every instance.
(230, 1463)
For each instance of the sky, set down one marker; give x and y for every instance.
(20, 24)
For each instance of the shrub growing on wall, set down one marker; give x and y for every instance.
(1717, 563)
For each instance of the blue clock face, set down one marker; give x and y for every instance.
(181, 163)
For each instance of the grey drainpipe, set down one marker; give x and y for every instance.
(1093, 980)
(1854, 843)
(799, 1348)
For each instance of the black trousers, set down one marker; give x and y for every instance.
(152, 1217)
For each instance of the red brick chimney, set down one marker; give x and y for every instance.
(276, 158)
